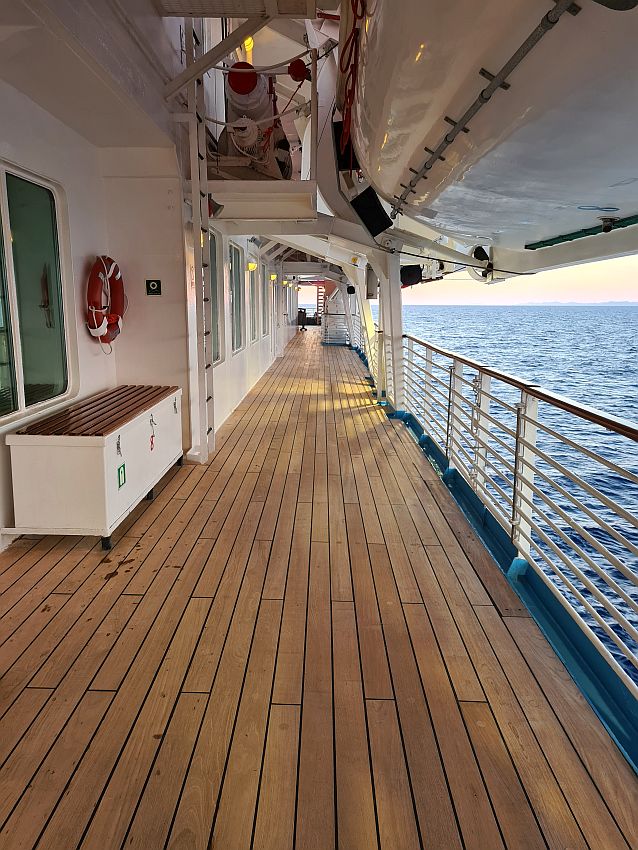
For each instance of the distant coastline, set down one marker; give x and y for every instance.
(581, 304)
(536, 304)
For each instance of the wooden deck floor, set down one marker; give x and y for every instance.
(301, 644)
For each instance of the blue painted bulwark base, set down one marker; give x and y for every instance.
(603, 689)
(361, 354)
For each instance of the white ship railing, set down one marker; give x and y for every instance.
(334, 328)
(537, 461)
(357, 336)
(375, 346)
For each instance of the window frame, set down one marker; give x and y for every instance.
(67, 293)
(216, 238)
(242, 287)
(253, 309)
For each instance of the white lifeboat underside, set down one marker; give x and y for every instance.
(548, 156)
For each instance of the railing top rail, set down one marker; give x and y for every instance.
(613, 423)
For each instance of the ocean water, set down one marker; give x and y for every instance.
(589, 354)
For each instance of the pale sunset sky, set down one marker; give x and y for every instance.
(608, 280)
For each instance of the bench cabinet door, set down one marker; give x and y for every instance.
(140, 453)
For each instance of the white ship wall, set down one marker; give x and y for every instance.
(120, 193)
(144, 232)
(239, 371)
(35, 141)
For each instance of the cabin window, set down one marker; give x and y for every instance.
(265, 301)
(254, 303)
(33, 357)
(215, 300)
(237, 296)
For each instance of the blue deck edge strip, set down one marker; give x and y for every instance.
(602, 688)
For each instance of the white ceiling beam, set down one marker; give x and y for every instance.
(270, 227)
(232, 41)
(306, 268)
(289, 29)
(274, 254)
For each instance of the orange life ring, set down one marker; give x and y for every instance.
(106, 301)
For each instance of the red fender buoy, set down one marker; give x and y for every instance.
(105, 299)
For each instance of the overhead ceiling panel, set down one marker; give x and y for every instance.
(238, 8)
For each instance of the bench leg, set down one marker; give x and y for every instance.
(180, 461)
(106, 543)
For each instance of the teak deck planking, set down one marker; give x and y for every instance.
(300, 644)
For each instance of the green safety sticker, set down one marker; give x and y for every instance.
(121, 476)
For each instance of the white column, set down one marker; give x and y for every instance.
(524, 478)
(427, 394)
(343, 289)
(454, 430)
(387, 267)
(483, 385)
(357, 277)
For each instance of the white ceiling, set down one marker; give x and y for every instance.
(79, 93)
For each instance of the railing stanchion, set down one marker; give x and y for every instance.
(483, 384)
(524, 459)
(381, 375)
(455, 390)
(427, 388)
(408, 364)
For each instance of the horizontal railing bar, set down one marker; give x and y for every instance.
(583, 601)
(419, 404)
(467, 361)
(584, 450)
(486, 480)
(461, 448)
(438, 422)
(418, 354)
(576, 526)
(499, 472)
(499, 401)
(591, 414)
(428, 376)
(499, 513)
(578, 619)
(600, 521)
(609, 580)
(593, 491)
(500, 440)
(492, 450)
(493, 420)
(437, 428)
(469, 383)
(438, 399)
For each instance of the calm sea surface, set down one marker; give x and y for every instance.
(589, 354)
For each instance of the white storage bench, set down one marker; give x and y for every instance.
(83, 470)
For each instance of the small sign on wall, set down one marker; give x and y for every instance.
(154, 287)
(121, 476)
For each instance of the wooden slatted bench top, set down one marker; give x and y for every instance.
(100, 414)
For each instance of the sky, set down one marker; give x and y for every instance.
(591, 283)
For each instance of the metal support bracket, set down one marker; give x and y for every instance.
(232, 41)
